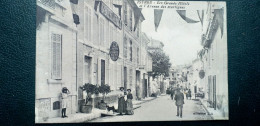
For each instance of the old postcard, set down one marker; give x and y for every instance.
(127, 60)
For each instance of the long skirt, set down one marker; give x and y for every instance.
(121, 105)
(129, 107)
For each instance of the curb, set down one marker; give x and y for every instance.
(205, 108)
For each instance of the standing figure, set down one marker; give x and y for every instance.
(189, 92)
(179, 97)
(172, 93)
(64, 98)
(121, 102)
(129, 104)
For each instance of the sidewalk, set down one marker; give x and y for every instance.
(77, 117)
(215, 114)
(96, 113)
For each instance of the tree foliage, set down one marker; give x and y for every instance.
(161, 63)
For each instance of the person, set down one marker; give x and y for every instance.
(121, 102)
(189, 93)
(64, 98)
(179, 98)
(172, 92)
(129, 104)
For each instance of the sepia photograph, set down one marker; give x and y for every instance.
(131, 60)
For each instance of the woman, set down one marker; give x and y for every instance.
(129, 104)
(64, 98)
(121, 102)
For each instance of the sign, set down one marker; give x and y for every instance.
(202, 74)
(110, 15)
(114, 51)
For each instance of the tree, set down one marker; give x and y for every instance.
(161, 63)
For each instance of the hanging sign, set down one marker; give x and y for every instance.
(202, 74)
(114, 51)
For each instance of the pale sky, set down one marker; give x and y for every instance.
(181, 39)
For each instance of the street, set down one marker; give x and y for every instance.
(161, 109)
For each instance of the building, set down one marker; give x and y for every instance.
(131, 25)
(214, 58)
(55, 58)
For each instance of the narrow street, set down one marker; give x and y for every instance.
(162, 108)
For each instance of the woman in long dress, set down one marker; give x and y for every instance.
(129, 103)
(64, 100)
(121, 102)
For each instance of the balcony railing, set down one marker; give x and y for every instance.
(48, 3)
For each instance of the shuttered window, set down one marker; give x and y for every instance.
(131, 20)
(56, 55)
(125, 47)
(131, 50)
(125, 13)
(87, 28)
(102, 32)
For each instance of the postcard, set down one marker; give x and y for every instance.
(131, 60)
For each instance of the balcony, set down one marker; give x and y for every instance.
(48, 5)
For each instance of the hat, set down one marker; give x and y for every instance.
(121, 88)
(129, 90)
(64, 88)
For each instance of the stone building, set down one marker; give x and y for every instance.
(131, 25)
(214, 58)
(55, 58)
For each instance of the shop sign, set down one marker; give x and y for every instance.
(114, 51)
(110, 15)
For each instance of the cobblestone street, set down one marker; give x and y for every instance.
(162, 108)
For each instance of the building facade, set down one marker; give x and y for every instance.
(214, 58)
(55, 58)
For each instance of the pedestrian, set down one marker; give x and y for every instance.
(121, 102)
(129, 103)
(179, 98)
(189, 92)
(64, 97)
(172, 92)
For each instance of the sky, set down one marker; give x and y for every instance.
(181, 39)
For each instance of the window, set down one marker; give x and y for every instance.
(131, 20)
(87, 22)
(137, 55)
(138, 30)
(56, 55)
(102, 32)
(130, 77)
(125, 13)
(125, 47)
(131, 53)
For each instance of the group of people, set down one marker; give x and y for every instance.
(179, 99)
(125, 104)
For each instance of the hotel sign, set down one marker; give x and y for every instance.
(114, 51)
(110, 15)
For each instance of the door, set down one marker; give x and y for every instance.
(125, 78)
(214, 93)
(103, 73)
(87, 66)
(137, 84)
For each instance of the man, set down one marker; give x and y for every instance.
(172, 92)
(179, 98)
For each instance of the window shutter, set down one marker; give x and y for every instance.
(56, 56)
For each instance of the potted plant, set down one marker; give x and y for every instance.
(103, 89)
(90, 90)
